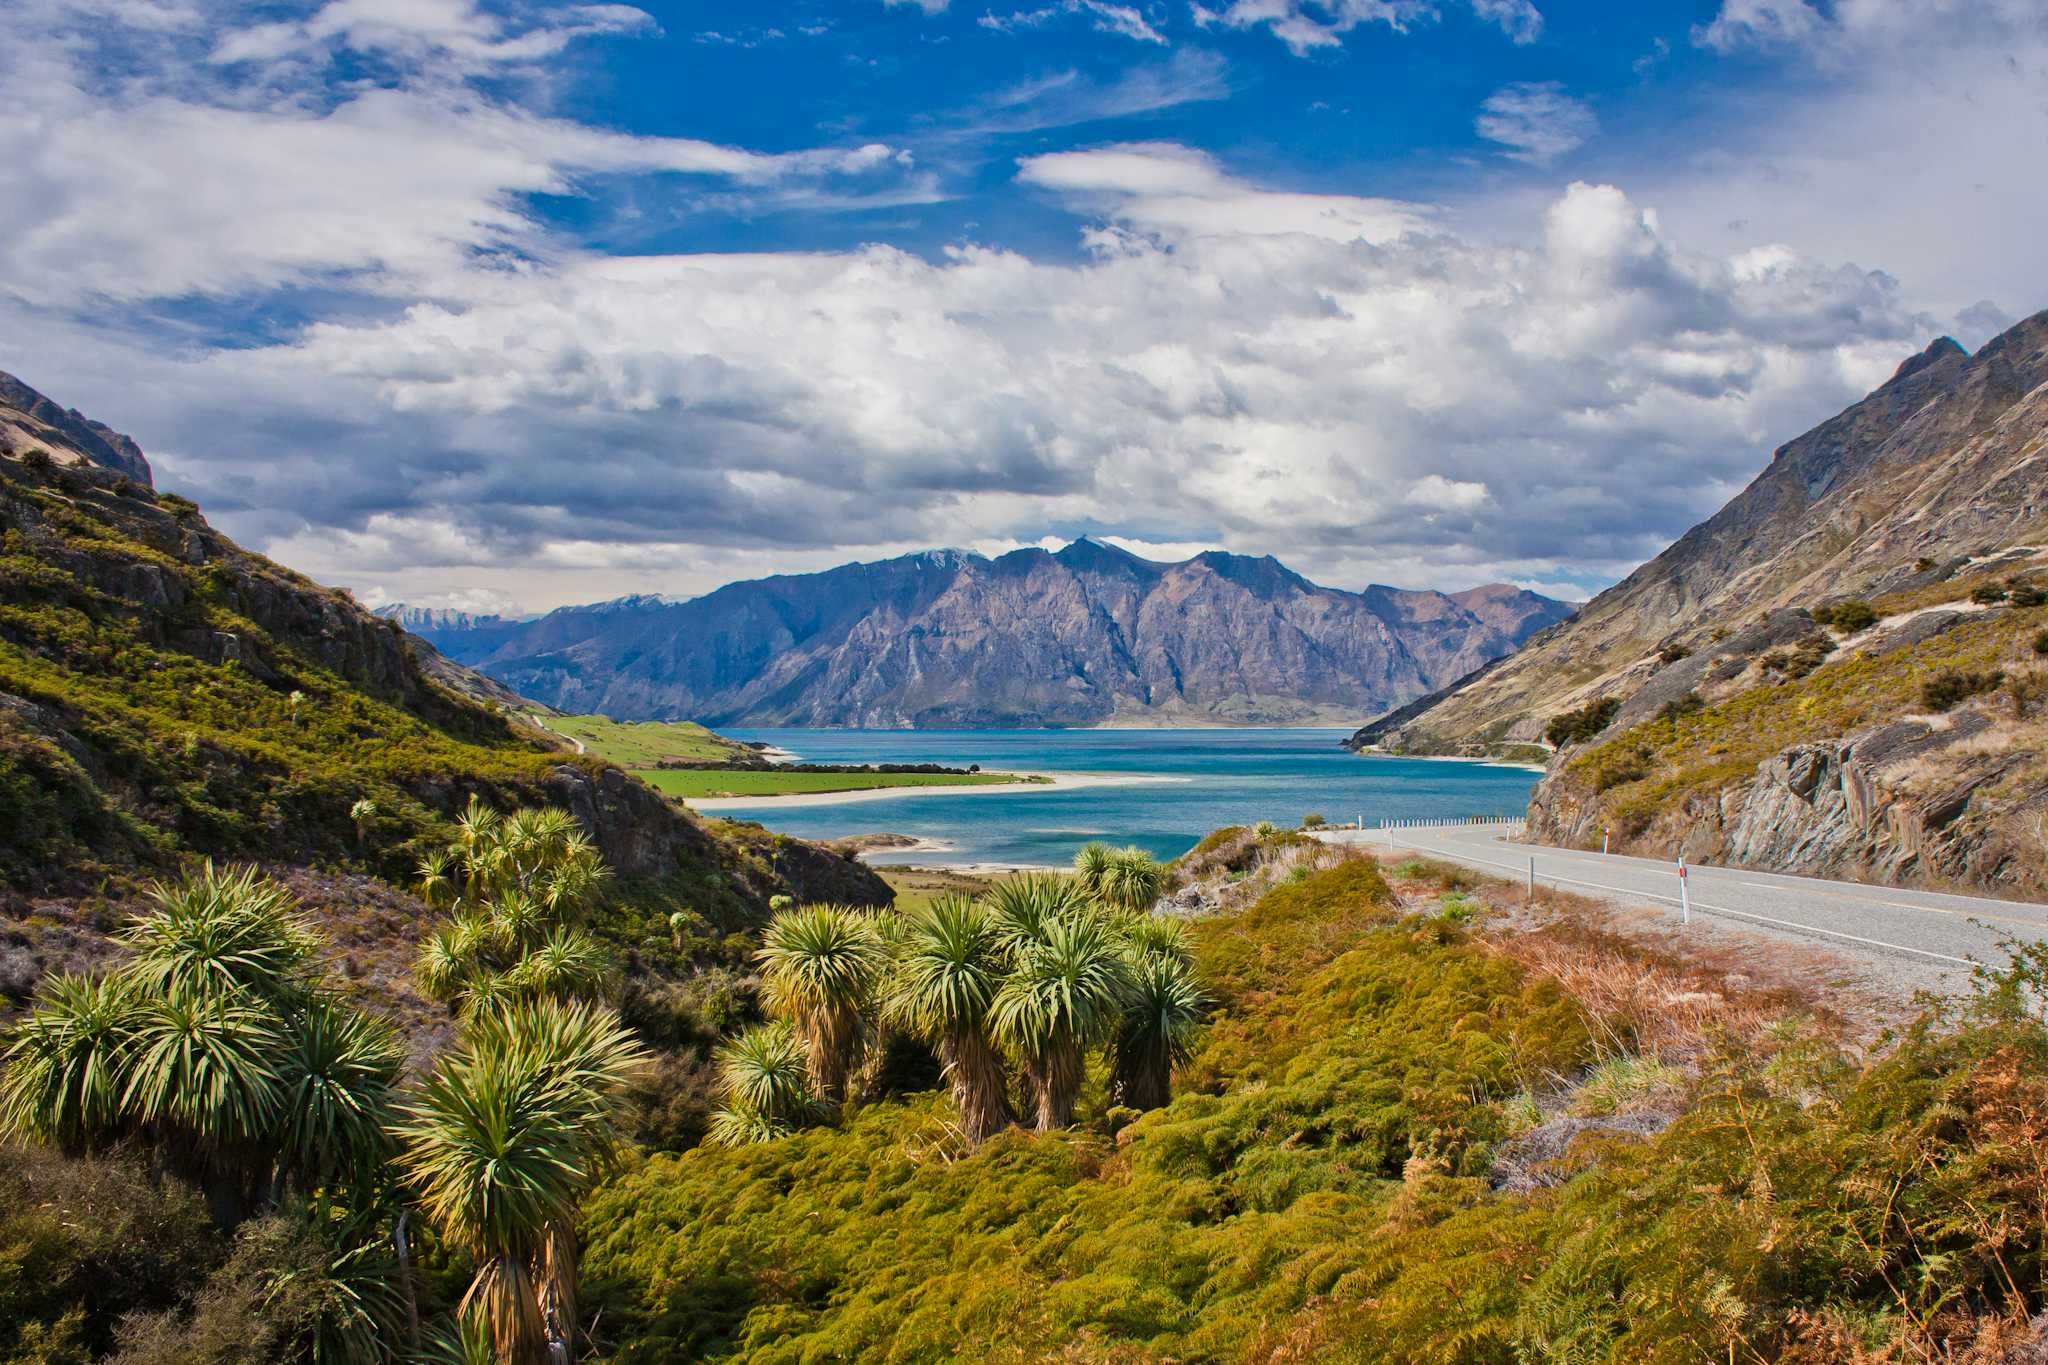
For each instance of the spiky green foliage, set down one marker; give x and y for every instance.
(946, 973)
(1161, 936)
(766, 1077)
(499, 1146)
(1162, 1012)
(820, 964)
(222, 932)
(513, 886)
(218, 1044)
(65, 1070)
(339, 1077)
(1025, 907)
(1065, 993)
(1091, 864)
(1132, 880)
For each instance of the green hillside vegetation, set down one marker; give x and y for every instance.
(643, 744)
(164, 694)
(1691, 750)
(686, 782)
(1328, 1182)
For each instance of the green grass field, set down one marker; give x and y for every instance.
(693, 782)
(642, 744)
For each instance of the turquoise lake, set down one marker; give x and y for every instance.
(1220, 777)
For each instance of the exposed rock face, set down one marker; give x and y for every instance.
(1088, 635)
(1937, 481)
(1942, 464)
(159, 563)
(29, 421)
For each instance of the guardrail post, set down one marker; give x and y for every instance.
(1684, 894)
(1532, 881)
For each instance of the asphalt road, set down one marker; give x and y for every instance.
(1922, 937)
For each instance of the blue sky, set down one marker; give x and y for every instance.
(518, 304)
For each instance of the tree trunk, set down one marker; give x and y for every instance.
(980, 1088)
(1057, 1077)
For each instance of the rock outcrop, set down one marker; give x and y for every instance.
(30, 422)
(1743, 731)
(1088, 635)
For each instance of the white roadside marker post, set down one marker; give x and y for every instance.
(1684, 894)
(1532, 881)
(1603, 843)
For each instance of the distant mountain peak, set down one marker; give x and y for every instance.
(1082, 635)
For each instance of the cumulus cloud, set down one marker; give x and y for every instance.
(164, 186)
(1306, 25)
(1895, 137)
(1536, 121)
(1404, 406)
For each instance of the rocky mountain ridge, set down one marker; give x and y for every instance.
(1714, 703)
(1090, 634)
(30, 422)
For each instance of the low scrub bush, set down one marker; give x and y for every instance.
(2026, 594)
(2041, 643)
(1671, 654)
(1576, 727)
(1987, 594)
(1950, 688)
(1848, 616)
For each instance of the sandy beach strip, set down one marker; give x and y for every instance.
(1052, 782)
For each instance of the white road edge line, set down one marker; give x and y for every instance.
(1742, 914)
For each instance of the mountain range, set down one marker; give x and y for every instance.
(1725, 712)
(1087, 635)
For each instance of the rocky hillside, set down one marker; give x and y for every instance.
(164, 693)
(30, 422)
(1088, 635)
(1836, 672)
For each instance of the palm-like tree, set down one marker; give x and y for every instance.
(566, 964)
(362, 813)
(1162, 1012)
(339, 1075)
(821, 963)
(1066, 993)
(1131, 881)
(1092, 863)
(512, 884)
(948, 969)
(221, 932)
(501, 1144)
(1024, 907)
(66, 1067)
(1161, 936)
(767, 1081)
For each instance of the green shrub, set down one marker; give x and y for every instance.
(1849, 616)
(1576, 727)
(1987, 594)
(2041, 642)
(1950, 688)
(1313, 821)
(2026, 594)
(1680, 707)
(1671, 654)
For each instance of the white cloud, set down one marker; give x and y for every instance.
(1898, 136)
(417, 29)
(1519, 19)
(1536, 121)
(928, 6)
(1371, 407)
(1759, 23)
(158, 187)
(1124, 20)
(1306, 25)
(1163, 188)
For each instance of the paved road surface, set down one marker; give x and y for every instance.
(1920, 937)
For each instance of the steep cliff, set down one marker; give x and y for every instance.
(1842, 671)
(1087, 635)
(165, 692)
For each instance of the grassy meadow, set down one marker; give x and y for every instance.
(642, 744)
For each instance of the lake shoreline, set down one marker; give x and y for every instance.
(1027, 782)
